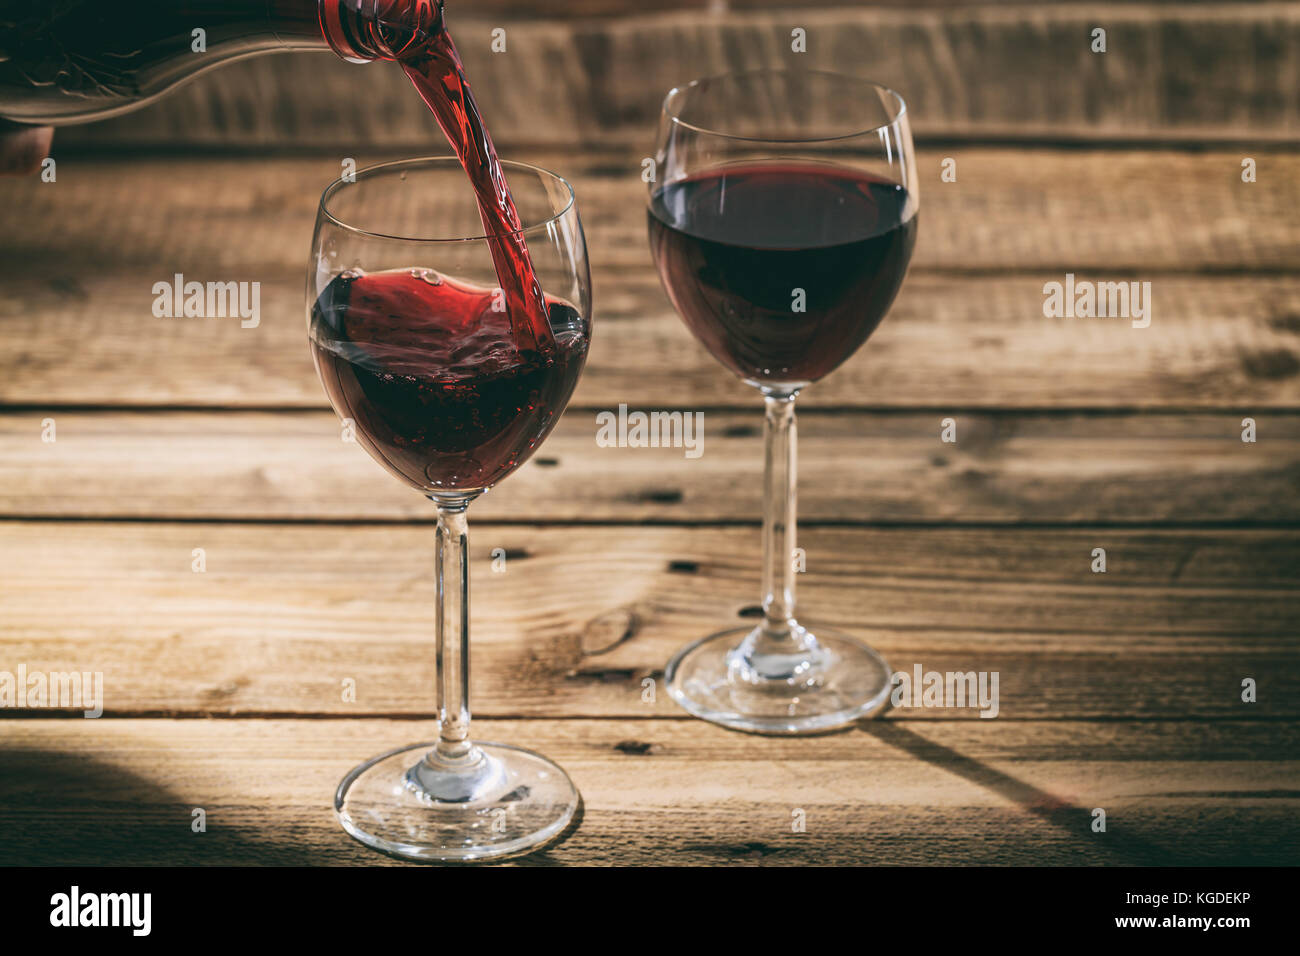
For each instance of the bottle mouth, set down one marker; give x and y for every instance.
(364, 30)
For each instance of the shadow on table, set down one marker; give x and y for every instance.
(62, 809)
(73, 810)
(1071, 821)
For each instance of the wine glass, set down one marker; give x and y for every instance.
(449, 390)
(782, 219)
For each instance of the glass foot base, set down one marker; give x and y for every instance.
(520, 802)
(846, 682)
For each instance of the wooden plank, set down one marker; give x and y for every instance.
(958, 792)
(857, 468)
(1019, 210)
(82, 263)
(1195, 72)
(948, 343)
(579, 617)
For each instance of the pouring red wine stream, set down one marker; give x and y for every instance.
(435, 69)
(429, 58)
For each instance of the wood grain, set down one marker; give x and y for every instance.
(967, 330)
(579, 617)
(948, 343)
(1020, 210)
(1191, 72)
(856, 468)
(951, 792)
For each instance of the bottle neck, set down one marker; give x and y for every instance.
(358, 30)
(296, 23)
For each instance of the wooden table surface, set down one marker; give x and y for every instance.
(1119, 690)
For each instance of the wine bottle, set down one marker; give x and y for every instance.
(72, 61)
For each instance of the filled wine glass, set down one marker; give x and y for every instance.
(782, 218)
(450, 381)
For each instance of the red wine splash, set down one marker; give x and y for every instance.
(432, 376)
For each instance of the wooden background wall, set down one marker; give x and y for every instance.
(595, 71)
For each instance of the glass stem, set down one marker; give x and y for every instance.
(454, 750)
(780, 498)
(778, 649)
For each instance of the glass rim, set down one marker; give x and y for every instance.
(323, 211)
(673, 116)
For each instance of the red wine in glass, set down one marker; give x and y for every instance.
(782, 227)
(782, 270)
(434, 379)
(450, 385)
